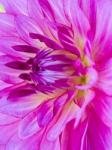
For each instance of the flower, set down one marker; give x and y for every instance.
(55, 77)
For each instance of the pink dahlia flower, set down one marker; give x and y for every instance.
(55, 75)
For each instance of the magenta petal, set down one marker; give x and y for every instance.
(25, 48)
(47, 9)
(25, 76)
(79, 135)
(20, 92)
(18, 65)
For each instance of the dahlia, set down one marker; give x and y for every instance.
(56, 75)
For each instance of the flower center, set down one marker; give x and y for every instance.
(89, 80)
(52, 70)
(35, 68)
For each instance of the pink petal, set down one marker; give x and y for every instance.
(51, 145)
(7, 119)
(105, 76)
(3, 85)
(57, 126)
(66, 38)
(87, 99)
(45, 113)
(89, 8)
(8, 48)
(2, 147)
(49, 42)
(6, 132)
(78, 19)
(15, 6)
(27, 144)
(10, 79)
(28, 126)
(53, 11)
(102, 39)
(62, 100)
(7, 27)
(103, 107)
(22, 107)
(35, 11)
(26, 25)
